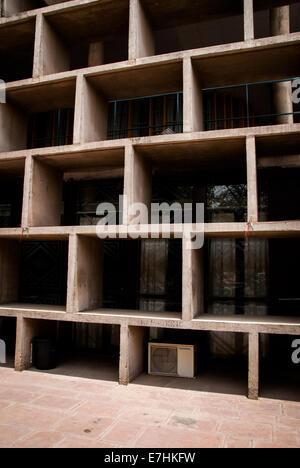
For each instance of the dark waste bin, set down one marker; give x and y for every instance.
(44, 353)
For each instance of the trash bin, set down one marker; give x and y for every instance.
(43, 353)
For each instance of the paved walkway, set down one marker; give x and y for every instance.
(43, 410)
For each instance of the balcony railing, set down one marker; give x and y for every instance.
(245, 105)
(145, 116)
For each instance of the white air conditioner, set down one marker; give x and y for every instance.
(171, 360)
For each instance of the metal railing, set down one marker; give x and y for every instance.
(248, 117)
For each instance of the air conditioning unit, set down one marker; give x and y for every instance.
(171, 360)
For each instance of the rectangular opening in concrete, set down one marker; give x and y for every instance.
(87, 36)
(87, 350)
(16, 50)
(8, 327)
(276, 19)
(11, 192)
(252, 277)
(187, 25)
(220, 360)
(79, 183)
(32, 113)
(42, 273)
(211, 172)
(135, 102)
(279, 367)
(131, 275)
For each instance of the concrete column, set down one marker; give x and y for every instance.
(85, 280)
(252, 179)
(141, 37)
(192, 99)
(13, 7)
(91, 113)
(50, 53)
(280, 24)
(45, 195)
(253, 373)
(137, 180)
(13, 128)
(132, 353)
(248, 20)
(27, 329)
(96, 54)
(192, 282)
(9, 270)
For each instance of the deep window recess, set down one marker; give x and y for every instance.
(145, 116)
(53, 128)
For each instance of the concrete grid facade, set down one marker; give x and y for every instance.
(46, 33)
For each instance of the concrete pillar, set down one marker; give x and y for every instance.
(192, 281)
(141, 37)
(253, 372)
(252, 179)
(45, 194)
(9, 270)
(192, 99)
(96, 54)
(85, 279)
(13, 128)
(248, 20)
(91, 113)
(280, 24)
(132, 353)
(27, 329)
(13, 7)
(50, 53)
(137, 181)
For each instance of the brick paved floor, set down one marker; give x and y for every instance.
(46, 410)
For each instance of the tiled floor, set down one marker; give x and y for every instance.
(46, 410)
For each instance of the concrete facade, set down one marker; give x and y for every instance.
(89, 89)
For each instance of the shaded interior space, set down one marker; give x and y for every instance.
(43, 273)
(147, 116)
(79, 183)
(8, 329)
(11, 193)
(85, 350)
(16, 50)
(142, 275)
(252, 105)
(32, 118)
(33, 272)
(135, 102)
(276, 63)
(212, 173)
(279, 375)
(217, 360)
(191, 25)
(275, 204)
(266, 19)
(87, 36)
(250, 277)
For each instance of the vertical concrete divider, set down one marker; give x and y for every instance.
(45, 185)
(252, 179)
(137, 181)
(192, 99)
(132, 353)
(192, 281)
(253, 370)
(91, 113)
(248, 20)
(50, 53)
(27, 191)
(141, 37)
